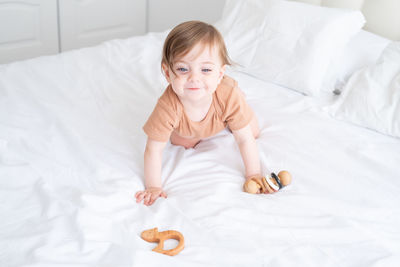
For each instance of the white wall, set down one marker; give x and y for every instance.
(386, 22)
(181, 10)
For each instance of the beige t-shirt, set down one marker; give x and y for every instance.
(228, 108)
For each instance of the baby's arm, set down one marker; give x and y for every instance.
(152, 173)
(248, 149)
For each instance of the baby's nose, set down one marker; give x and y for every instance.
(194, 76)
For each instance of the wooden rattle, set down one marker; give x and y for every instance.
(152, 235)
(270, 184)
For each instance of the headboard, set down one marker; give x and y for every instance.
(382, 15)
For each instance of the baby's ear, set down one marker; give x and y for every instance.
(221, 73)
(165, 69)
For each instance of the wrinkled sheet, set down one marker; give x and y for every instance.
(71, 156)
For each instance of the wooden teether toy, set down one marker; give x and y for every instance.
(270, 184)
(152, 235)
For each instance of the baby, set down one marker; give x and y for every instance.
(199, 102)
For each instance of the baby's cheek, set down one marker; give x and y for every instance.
(180, 82)
(214, 83)
(211, 88)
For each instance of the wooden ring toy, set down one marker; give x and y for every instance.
(152, 235)
(271, 184)
(277, 183)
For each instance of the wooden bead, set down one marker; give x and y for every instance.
(285, 177)
(251, 186)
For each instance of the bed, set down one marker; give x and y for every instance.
(71, 152)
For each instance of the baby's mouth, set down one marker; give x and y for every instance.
(193, 88)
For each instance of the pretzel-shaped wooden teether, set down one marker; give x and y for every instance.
(152, 235)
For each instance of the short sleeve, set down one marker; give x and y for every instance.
(161, 122)
(237, 113)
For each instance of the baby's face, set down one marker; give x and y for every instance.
(197, 74)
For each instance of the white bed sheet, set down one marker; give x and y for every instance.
(71, 156)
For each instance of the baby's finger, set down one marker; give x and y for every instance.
(137, 193)
(163, 194)
(151, 201)
(147, 199)
(139, 196)
(153, 198)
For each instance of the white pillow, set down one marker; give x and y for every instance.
(363, 49)
(371, 98)
(288, 43)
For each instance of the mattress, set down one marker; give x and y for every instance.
(71, 160)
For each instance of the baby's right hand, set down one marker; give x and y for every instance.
(150, 195)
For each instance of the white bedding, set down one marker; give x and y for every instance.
(71, 156)
(371, 98)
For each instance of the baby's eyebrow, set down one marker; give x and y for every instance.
(204, 62)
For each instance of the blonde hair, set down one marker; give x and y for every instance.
(188, 34)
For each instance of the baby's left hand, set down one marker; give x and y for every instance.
(150, 195)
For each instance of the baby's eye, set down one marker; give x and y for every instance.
(206, 70)
(182, 69)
